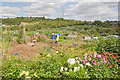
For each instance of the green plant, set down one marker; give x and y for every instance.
(19, 40)
(110, 44)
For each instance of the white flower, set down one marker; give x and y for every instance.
(86, 54)
(67, 73)
(98, 56)
(78, 67)
(88, 64)
(75, 69)
(61, 69)
(85, 72)
(66, 69)
(71, 70)
(71, 61)
(27, 78)
(81, 65)
(77, 61)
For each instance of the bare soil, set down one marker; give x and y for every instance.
(26, 50)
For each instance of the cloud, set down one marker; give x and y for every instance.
(59, 0)
(100, 1)
(10, 11)
(92, 11)
(39, 0)
(19, 0)
(47, 9)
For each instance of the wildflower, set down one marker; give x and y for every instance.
(66, 69)
(26, 78)
(27, 73)
(24, 73)
(78, 58)
(19, 64)
(81, 65)
(61, 69)
(109, 54)
(110, 66)
(86, 61)
(98, 56)
(70, 69)
(86, 54)
(117, 56)
(114, 64)
(56, 51)
(112, 56)
(88, 64)
(101, 54)
(98, 63)
(75, 69)
(90, 54)
(93, 53)
(118, 60)
(104, 62)
(78, 67)
(85, 72)
(71, 61)
(48, 55)
(67, 73)
(77, 61)
(94, 56)
(104, 53)
(109, 60)
(35, 75)
(82, 61)
(105, 57)
(112, 53)
(93, 61)
(89, 59)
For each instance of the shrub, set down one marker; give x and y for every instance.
(20, 36)
(110, 44)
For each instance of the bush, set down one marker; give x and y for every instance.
(19, 40)
(110, 44)
(63, 37)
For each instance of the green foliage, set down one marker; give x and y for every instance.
(20, 36)
(110, 44)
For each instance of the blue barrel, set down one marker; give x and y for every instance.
(75, 44)
(15, 54)
(59, 34)
(53, 36)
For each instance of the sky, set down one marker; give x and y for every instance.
(88, 10)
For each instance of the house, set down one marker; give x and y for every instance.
(113, 23)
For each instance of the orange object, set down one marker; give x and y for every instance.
(110, 66)
(114, 64)
(105, 57)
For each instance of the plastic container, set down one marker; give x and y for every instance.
(53, 43)
(15, 54)
(75, 44)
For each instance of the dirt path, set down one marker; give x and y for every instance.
(26, 50)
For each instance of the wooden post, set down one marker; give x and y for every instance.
(24, 37)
